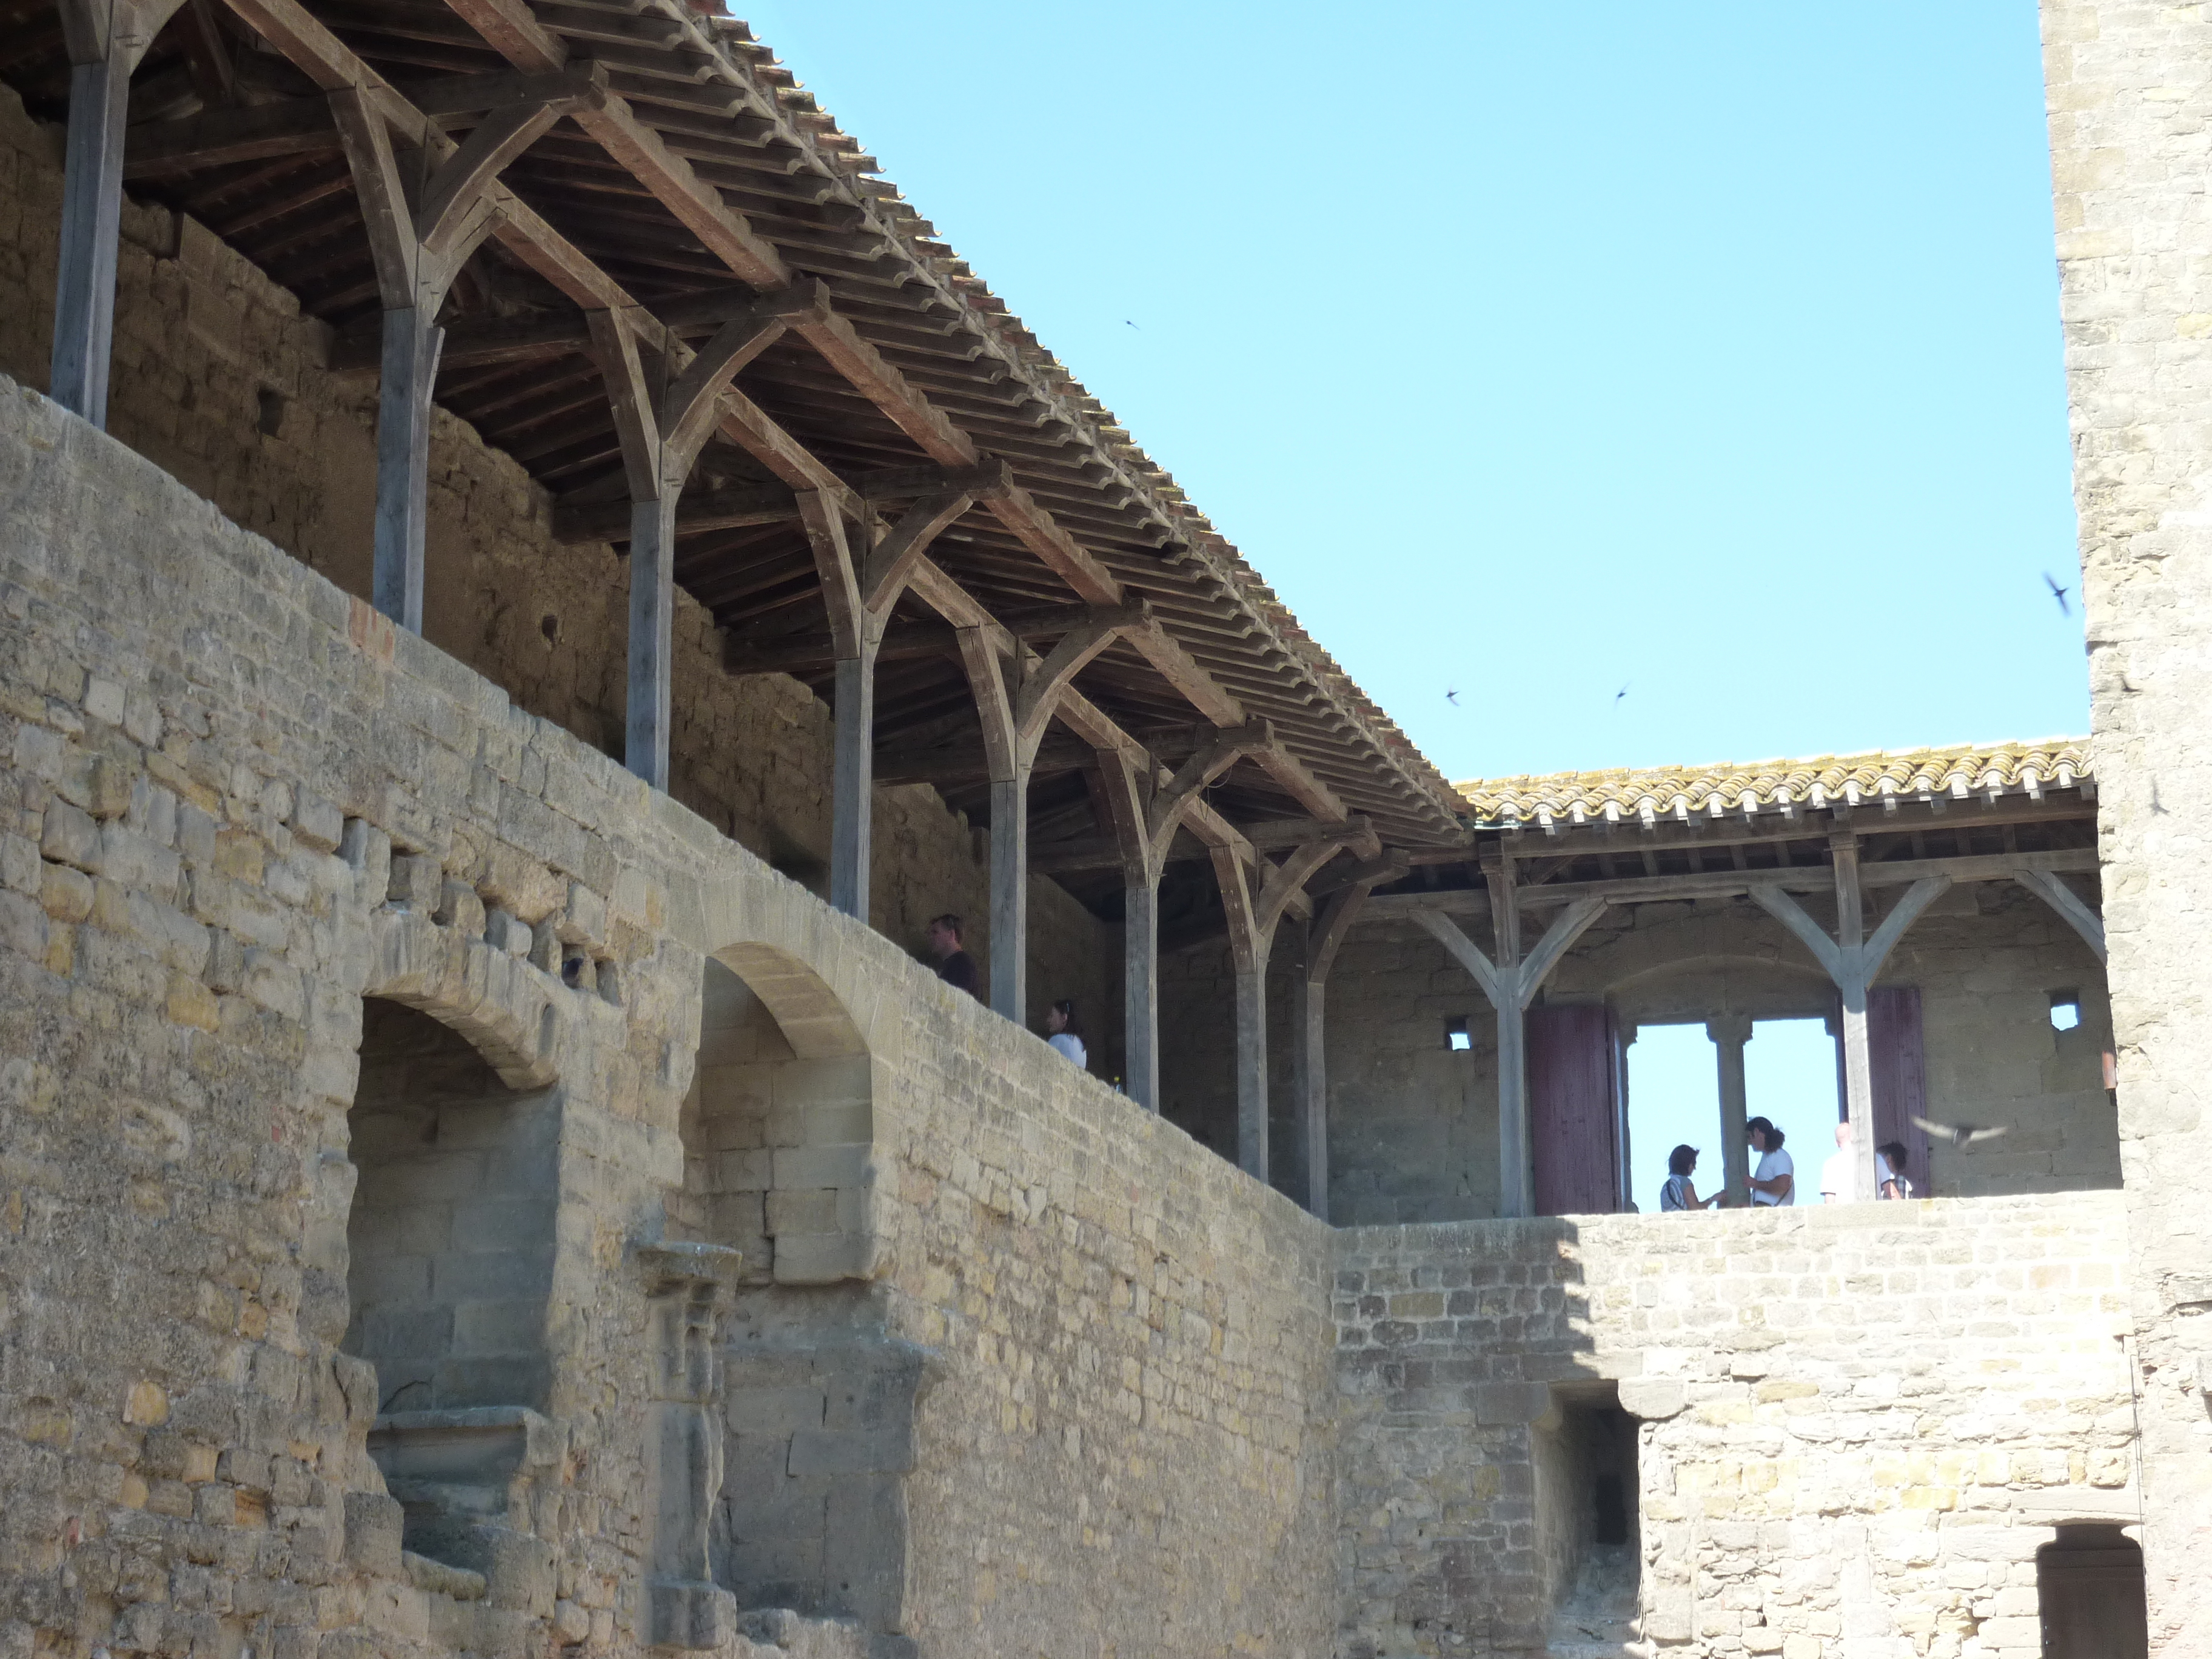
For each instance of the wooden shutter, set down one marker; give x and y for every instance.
(1900, 1076)
(1572, 1102)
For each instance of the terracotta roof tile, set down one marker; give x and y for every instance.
(1676, 791)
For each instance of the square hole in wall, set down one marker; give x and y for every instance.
(2065, 1009)
(1456, 1035)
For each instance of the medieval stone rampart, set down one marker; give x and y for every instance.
(1853, 1428)
(1082, 1395)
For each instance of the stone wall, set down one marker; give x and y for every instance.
(220, 380)
(1854, 1425)
(236, 805)
(1413, 1126)
(2129, 88)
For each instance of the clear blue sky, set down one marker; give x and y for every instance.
(1710, 349)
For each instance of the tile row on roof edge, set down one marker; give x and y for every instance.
(1088, 416)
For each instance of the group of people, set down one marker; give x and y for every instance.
(1775, 1181)
(958, 969)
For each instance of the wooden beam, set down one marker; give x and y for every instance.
(2069, 904)
(221, 137)
(736, 508)
(1802, 878)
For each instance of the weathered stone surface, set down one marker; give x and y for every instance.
(2129, 88)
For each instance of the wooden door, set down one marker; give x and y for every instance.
(1900, 1076)
(1573, 1100)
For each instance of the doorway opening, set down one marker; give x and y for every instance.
(1588, 1539)
(2089, 1583)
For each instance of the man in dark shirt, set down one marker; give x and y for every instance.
(954, 965)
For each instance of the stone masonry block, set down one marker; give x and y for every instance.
(316, 823)
(583, 919)
(71, 837)
(369, 850)
(416, 884)
(820, 1258)
(821, 1166)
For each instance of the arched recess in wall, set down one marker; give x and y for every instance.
(453, 1134)
(778, 1126)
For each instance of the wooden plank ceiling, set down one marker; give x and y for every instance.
(700, 176)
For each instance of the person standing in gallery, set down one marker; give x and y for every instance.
(1680, 1193)
(954, 965)
(1063, 1035)
(1775, 1181)
(1840, 1174)
(1889, 1170)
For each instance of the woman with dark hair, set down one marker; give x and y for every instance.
(1064, 1035)
(1776, 1179)
(1679, 1194)
(1890, 1172)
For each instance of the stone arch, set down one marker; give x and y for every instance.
(778, 1126)
(453, 1134)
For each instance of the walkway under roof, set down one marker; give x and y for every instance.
(693, 177)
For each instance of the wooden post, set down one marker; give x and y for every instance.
(1015, 698)
(647, 711)
(1852, 961)
(1309, 1010)
(1851, 992)
(412, 344)
(1729, 1032)
(1252, 1148)
(851, 826)
(1514, 1197)
(1249, 945)
(663, 420)
(1140, 985)
(1010, 894)
(422, 223)
(92, 218)
(1512, 986)
(106, 39)
(1309, 1078)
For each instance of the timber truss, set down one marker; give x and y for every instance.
(613, 237)
(1868, 873)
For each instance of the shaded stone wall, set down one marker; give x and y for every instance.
(2129, 88)
(220, 380)
(1857, 1425)
(235, 805)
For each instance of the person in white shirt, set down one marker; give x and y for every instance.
(1840, 1174)
(1059, 1024)
(1775, 1181)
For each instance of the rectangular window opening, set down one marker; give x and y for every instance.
(2065, 1009)
(1457, 1038)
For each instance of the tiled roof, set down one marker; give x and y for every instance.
(1678, 791)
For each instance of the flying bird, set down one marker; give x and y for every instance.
(1126, 323)
(1452, 698)
(1965, 1136)
(1619, 695)
(2058, 593)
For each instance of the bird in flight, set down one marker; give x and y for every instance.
(2058, 593)
(1452, 698)
(1965, 1136)
(1126, 323)
(1619, 695)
